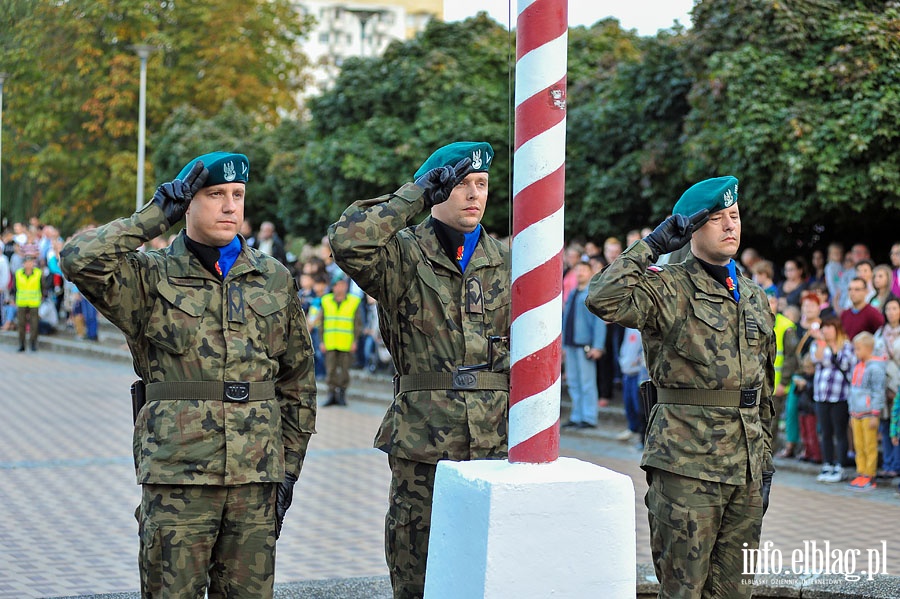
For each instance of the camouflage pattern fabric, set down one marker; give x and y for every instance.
(189, 533)
(696, 337)
(685, 513)
(407, 525)
(433, 318)
(184, 324)
(705, 464)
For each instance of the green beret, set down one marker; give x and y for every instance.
(223, 167)
(713, 194)
(480, 152)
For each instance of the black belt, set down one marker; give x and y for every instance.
(212, 390)
(744, 398)
(478, 380)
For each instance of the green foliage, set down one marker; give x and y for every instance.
(385, 115)
(623, 139)
(71, 104)
(806, 117)
(797, 98)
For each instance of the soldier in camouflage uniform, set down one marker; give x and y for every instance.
(443, 290)
(220, 343)
(710, 348)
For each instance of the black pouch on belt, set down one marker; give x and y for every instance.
(648, 399)
(138, 398)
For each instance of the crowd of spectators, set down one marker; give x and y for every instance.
(835, 304)
(63, 309)
(836, 397)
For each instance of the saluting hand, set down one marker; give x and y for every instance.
(440, 181)
(175, 196)
(674, 232)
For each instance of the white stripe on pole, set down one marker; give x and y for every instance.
(530, 244)
(528, 417)
(541, 153)
(524, 4)
(541, 68)
(530, 329)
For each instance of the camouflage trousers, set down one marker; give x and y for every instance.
(407, 525)
(699, 531)
(192, 536)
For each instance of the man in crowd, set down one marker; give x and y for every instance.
(28, 284)
(225, 405)
(860, 315)
(340, 327)
(268, 242)
(710, 351)
(443, 292)
(584, 340)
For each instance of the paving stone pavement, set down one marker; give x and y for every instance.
(67, 491)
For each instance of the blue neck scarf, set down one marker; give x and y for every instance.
(227, 256)
(731, 283)
(471, 240)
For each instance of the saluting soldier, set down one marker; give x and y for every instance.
(443, 292)
(708, 339)
(220, 344)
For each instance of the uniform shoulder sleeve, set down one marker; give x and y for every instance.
(366, 240)
(106, 266)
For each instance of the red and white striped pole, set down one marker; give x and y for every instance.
(538, 190)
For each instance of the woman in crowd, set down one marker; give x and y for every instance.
(887, 344)
(882, 280)
(817, 267)
(794, 283)
(832, 353)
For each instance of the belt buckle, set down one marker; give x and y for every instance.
(464, 381)
(748, 397)
(239, 392)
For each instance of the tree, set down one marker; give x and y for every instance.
(802, 106)
(624, 125)
(385, 115)
(72, 111)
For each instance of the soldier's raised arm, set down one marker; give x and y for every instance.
(104, 262)
(363, 240)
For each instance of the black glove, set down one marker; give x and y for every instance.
(283, 499)
(674, 232)
(440, 181)
(766, 487)
(174, 197)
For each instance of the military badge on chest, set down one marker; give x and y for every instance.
(474, 296)
(235, 304)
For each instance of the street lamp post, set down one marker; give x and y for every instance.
(364, 16)
(143, 51)
(2, 79)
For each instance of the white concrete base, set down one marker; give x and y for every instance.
(531, 531)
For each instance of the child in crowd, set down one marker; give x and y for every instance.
(634, 370)
(806, 410)
(764, 274)
(865, 402)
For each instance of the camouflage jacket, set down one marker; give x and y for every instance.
(696, 336)
(433, 318)
(183, 324)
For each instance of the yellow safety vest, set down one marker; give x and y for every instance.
(782, 325)
(337, 322)
(28, 288)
